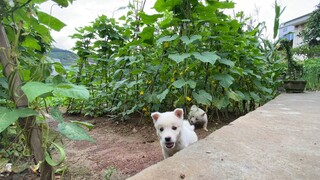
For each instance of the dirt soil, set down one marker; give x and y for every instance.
(122, 149)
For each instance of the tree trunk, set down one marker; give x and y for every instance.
(31, 130)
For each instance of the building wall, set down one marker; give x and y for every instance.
(286, 32)
(295, 26)
(297, 40)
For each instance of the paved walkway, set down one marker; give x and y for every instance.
(280, 140)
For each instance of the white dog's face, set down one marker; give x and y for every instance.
(168, 126)
(193, 120)
(193, 114)
(196, 114)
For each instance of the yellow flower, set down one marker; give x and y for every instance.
(165, 44)
(144, 109)
(188, 98)
(172, 80)
(141, 92)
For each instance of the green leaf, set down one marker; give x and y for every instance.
(72, 91)
(149, 19)
(224, 4)
(240, 94)
(50, 21)
(147, 35)
(222, 102)
(166, 39)
(187, 41)
(57, 115)
(85, 124)
(74, 132)
(58, 67)
(225, 80)
(3, 82)
(179, 57)
(179, 83)
(31, 42)
(35, 89)
(61, 158)
(25, 112)
(120, 84)
(202, 97)
(255, 96)
(8, 117)
(58, 79)
(209, 57)
(236, 70)
(233, 95)
(163, 95)
(63, 3)
(257, 82)
(191, 83)
(226, 62)
(247, 96)
(162, 5)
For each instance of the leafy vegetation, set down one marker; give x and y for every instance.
(307, 51)
(312, 73)
(26, 84)
(294, 70)
(188, 53)
(311, 33)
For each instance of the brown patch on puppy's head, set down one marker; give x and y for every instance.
(179, 113)
(155, 116)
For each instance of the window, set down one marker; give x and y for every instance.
(285, 29)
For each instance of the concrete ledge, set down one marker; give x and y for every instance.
(280, 140)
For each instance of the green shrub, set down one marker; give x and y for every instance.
(312, 73)
(308, 51)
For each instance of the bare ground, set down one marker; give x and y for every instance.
(122, 149)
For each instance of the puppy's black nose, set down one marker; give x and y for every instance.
(168, 139)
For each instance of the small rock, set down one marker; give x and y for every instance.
(134, 130)
(208, 152)
(8, 168)
(182, 176)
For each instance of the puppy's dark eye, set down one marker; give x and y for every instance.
(174, 128)
(161, 129)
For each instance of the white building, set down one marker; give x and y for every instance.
(291, 29)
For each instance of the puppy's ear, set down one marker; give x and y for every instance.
(155, 116)
(179, 113)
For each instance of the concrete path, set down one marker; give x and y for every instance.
(280, 140)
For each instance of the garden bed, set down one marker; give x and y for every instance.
(122, 149)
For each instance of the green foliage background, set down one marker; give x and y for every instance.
(188, 53)
(311, 33)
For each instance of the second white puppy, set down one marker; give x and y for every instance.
(174, 132)
(198, 116)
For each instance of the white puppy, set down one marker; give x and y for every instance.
(198, 116)
(174, 132)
